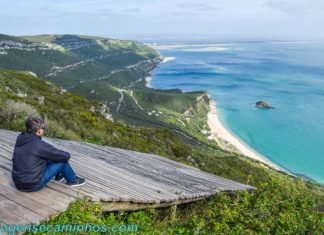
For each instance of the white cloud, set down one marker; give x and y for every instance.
(296, 6)
(230, 18)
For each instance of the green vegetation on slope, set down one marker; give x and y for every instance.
(110, 71)
(267, 210)
(69, 59)
(281, 204)
(72, 117)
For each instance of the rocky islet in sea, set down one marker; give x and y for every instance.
(263, 105)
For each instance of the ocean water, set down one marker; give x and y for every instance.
(287, 75)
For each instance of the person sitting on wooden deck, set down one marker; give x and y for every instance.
(36, 162)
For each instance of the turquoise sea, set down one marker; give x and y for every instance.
(287, 75)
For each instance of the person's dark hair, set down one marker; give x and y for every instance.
(33, 124)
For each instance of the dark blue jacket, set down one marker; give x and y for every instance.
(30, 158)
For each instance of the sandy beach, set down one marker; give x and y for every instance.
(228, 141)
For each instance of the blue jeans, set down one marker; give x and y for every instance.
(54, 168)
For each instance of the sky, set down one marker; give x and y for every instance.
(224, 19)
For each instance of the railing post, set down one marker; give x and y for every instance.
(173, 211)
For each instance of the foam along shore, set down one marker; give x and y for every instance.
(148, 80)
(167, 59)
(228, 141)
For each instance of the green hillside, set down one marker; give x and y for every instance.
(69, 59)
(281, 204)
(110, 71)
(71, 116)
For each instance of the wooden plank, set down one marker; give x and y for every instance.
(9, 218)
(124, 193)
(200, 195)
(136, 188)
(110, 166)
(182, 165)
(32, 204)
(138, 153)
(73, 192)
(5, 166)
(19, 211)
(59, 203)
(45, 196)
(198, 173)
(107, 151)
(205, 177)
(125, 178)
(5, 178)
(174, 196)
(98, 169)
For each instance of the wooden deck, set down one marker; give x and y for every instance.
(120, 179)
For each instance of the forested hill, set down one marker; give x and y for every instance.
(111, 71)
(70, 116)
(70, 59)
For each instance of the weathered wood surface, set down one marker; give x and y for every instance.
(120, 179)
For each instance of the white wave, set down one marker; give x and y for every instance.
(220, 69)
(207, 49)
(179, 46)
(215, 68)
(167, 59)
(148, 80)
(200, 62)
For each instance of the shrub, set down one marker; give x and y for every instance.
(13, 114)
(55, 129)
